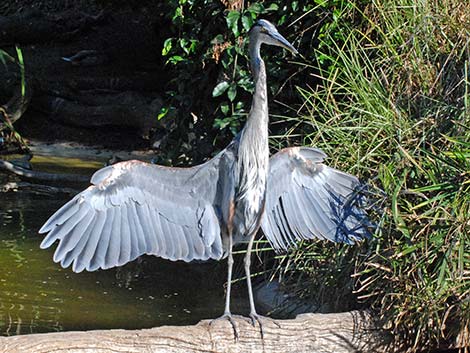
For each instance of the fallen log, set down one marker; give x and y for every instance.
(339, 332)
(37, 189)
(41, 176)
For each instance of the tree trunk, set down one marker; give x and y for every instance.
(340, 332)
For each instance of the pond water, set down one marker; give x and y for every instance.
(37, 295)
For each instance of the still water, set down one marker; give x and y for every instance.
(37, 295)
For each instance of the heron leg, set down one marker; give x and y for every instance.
(229, 276)
(253, 314)
(227, 313)
(247, 261)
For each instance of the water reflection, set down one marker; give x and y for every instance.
(36, 295)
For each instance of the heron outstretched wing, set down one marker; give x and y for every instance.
(306, 199)
(135, 208)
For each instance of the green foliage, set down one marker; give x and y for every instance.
(384, 89)
(210, 69)
(392, 105)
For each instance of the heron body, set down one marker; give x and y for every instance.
(134, 208)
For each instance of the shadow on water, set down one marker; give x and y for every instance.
(37, 295)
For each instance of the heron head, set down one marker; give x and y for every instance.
(264, 32)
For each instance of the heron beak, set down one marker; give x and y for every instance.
(283, 42)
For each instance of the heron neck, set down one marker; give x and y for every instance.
(259, 106)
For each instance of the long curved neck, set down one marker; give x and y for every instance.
(253, 150)
(259, 107)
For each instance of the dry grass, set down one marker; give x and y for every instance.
(393, 106)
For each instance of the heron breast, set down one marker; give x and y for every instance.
(248, 212)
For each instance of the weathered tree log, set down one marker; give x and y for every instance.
(37, 189)
(341, 332)
(42, 176)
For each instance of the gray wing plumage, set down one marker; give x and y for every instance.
(306, 199)
(135, 208)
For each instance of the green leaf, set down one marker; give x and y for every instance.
(225, 108)
(232, 22)
(175, 59)
(220, 88)
(247, 22)
(178, 13)
(295, 5)
(183, 44)
(164, 111)
(232, 92)
(192, 47)
(2, 57)
(167, 45)
(273, 7)
(246, 84)
(19, 53)
(256, 8)
(221, 123)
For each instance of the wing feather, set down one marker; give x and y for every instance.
(103, 243)
(159, 247)
(84, 258)
(63, 214)
(114, 249)
(306, 199)
(71, 239)
(134, 208)
(125, 251)
(146, 224)
(60, 232)
(71, 255)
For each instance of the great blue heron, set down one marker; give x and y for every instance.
(199, 213)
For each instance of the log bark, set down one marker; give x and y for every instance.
(340, 332)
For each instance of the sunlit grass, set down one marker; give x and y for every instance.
(392, 105)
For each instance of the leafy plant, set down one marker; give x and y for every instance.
(383, 89)
(392, 105)
(213, 58)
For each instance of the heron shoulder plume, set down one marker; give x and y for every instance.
(134, 208)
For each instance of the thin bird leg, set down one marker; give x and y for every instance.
(247, 261)
(229, 276)
(227, 314)
(253, 314)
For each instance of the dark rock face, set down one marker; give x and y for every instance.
(94, 70)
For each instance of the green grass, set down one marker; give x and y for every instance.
(392, 105)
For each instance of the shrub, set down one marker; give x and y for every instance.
(393, 106)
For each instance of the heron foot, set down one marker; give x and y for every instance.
(228, 316)
(255, 318)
